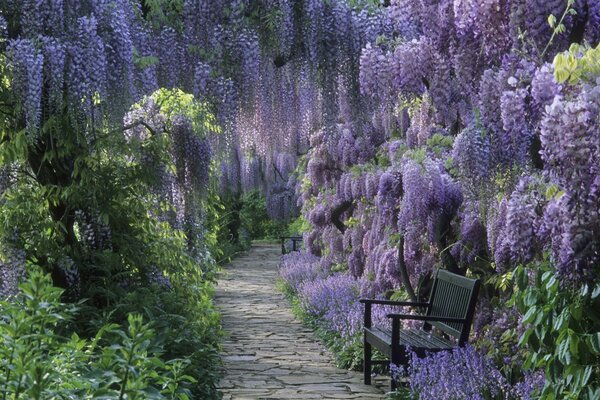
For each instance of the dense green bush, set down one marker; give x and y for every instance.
(255, 219)
(41, 359)
(562, 331)
(93, 215)
(232, 237)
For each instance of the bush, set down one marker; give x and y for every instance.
(256, 220)
(38, 362)
(562, 331)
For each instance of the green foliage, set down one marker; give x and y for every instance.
(558, 28)
(255, 219)
(175, 102)
(232, 239)
(163, 12)
(417, 155)
(37, 360)
(579, 63)
(562, 332)
(298, 226)
(440, 143)
(112, 179)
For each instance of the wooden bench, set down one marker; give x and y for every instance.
(296, 243)
(450, 310)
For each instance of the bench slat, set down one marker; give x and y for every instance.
(414, 338)
(419, 339)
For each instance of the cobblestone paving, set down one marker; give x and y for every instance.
(268, 354)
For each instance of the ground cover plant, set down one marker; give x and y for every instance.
(142, 143)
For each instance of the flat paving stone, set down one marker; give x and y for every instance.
(268, 353)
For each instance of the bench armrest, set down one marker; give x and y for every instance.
(394, 303)
(428, 318)
(369, 302)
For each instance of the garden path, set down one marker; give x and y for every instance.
(269, 354)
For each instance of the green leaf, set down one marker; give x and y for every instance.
(524, 339)
(574, 345)
(564, 356)
(560, 321)
(596, 292)
(593, 343)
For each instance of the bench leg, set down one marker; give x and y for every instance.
(367, 365)
(398, 359)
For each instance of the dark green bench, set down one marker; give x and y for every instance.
(450, 310)
(296, 243)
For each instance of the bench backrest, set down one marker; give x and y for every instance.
(453, 296)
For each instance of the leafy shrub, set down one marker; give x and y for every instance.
(298, 226)
(256, 220)
(562, 334)
(38, 362)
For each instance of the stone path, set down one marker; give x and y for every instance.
(268, 354)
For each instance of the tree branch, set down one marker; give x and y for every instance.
(337, 213)
(404, 272)
(138, 123)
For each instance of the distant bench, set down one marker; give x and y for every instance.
(296, 243)
(450, 309)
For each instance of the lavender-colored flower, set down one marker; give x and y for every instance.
(116, 35)
(489, 100)
(409, 65)
(531, 385)
(3, 28)
(522, 219)
(537, 16)
(312, 242)
(334, 300)
(592, 32)
(462, 373)
(404, 15)
(371, 70)
(517, 132)
(571, 155)
(472, 245)
(471, 154)
(421, 126)
(543, 88)
(170, 54)
(54, 70)
(28, 64)
(86, 70)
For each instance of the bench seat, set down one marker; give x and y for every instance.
(418, 340)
